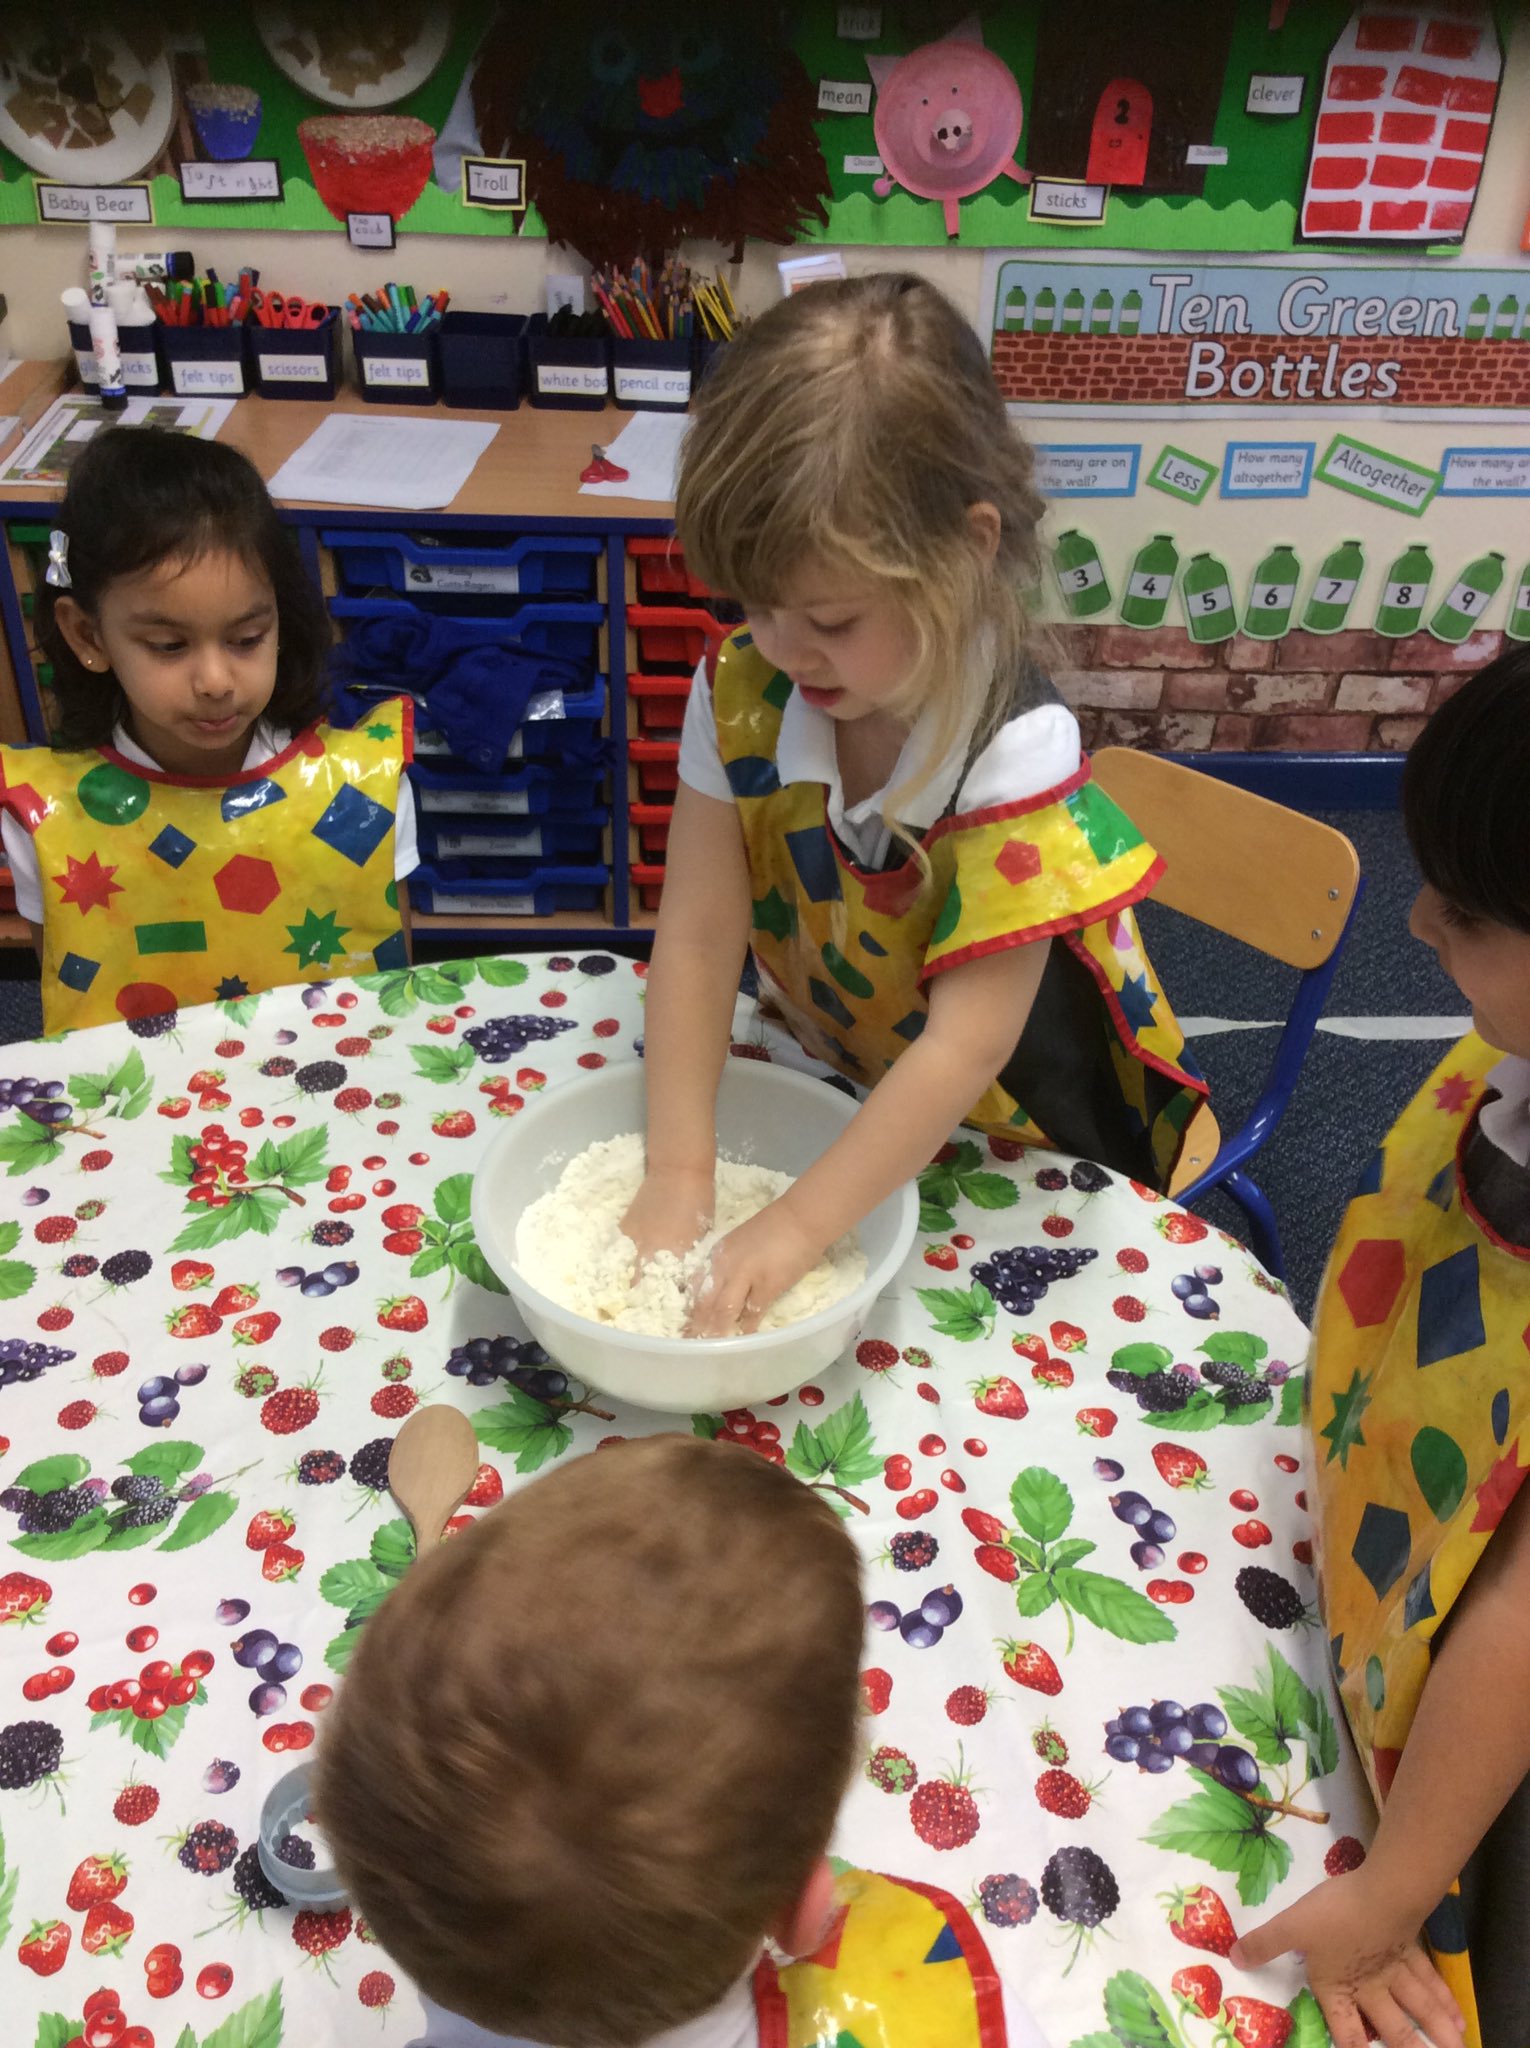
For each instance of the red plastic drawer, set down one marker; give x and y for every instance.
(659, 569)
(659, 702)
(651, 822)
(658, 767)
(673, 637)
(648, 881)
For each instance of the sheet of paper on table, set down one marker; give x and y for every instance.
(49, 450)
(648, 447)
(413, 465)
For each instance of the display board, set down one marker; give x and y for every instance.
(1235, 125)
(1195, 403)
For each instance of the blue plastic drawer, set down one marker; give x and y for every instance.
(555, 720)
(531, 792)
(540, 894)
(572, 630)
(514, 843)
(434, 572)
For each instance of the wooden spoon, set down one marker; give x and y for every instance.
(431, 1469)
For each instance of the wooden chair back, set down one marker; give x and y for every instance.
(1279, 881)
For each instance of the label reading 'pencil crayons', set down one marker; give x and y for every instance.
(637, 386)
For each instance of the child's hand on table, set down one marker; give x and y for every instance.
(750, 1268)
(669, 1212)
(1363, 1962)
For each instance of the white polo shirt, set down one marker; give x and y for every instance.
(1031, 753)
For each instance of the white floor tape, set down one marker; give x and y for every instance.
(1340, 1027)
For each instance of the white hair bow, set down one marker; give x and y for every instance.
(58, 559)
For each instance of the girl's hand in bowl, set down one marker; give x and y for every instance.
(750, 1268)
(670, 1211)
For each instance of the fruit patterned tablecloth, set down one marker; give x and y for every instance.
(236, 1254)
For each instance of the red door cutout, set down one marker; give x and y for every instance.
(1118, 141)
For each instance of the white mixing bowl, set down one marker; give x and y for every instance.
(765, 1114)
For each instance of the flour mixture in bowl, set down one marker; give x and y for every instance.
(570, 1245)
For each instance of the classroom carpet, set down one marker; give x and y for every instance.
(1351, 1087)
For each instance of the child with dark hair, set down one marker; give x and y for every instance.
(1420, 1407)
(195, 832)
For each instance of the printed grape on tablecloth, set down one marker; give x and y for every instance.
(235, 1254)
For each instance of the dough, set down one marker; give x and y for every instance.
(570, 1245)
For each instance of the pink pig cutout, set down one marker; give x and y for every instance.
(947, 120)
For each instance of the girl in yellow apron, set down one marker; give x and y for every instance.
(1420, 1419)
(883, 798)
(195, 832)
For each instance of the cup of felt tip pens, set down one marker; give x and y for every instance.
(202, 325)
(395, 333)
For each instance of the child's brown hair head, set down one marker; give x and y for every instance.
(590, 1751)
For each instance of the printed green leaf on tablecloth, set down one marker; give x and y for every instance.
(1221, 1828)
(836, 1454)
(961, 1175)
(55, 2031)
(8, 1883)
(1138, 2016)
(527, 1430)
(965, 1313)
(256, 2025)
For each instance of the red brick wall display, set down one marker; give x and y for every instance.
(1352, 692)
(1259, 369)
(1403, 123)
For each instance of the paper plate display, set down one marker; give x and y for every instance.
(95, 109)
(355, 57)
(367, 163)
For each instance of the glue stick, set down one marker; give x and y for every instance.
(103, 259)
(108, 353)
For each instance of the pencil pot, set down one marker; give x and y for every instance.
(483, 365)
(140, 357)
(297, 362)
(205, 362)
(572, 371)
(652, 376)
(398, 369)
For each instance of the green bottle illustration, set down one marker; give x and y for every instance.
(1014, 311)
(1333, 593)
(1518, 627)
(1073, 312)
(1131, 313)
(1081, 574)
(1100, 312)
(1406, 590)
(1504, 318)
(1207, 591)
(1272, 599)
(1150, 583)
(1464, 603)
(1044, 318)
(1477, 315)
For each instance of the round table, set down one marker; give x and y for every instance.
(235, 1254)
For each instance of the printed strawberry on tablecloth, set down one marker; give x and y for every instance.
(235, 1253)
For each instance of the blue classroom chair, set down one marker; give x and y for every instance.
(1278, 881)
